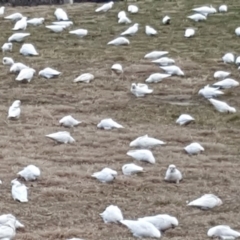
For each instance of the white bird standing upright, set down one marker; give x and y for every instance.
(150, 31)
(122, 14)
(194, 148)
(69, 121)
(221, 74)
(173, 70)
(146, 142)
(14, 110)
(19, 191)
(79, 32)
(189, 32)
(28, 49)
(8, 230)
(21, 24)
(30, 173)
(61, 15)
(237, 61)
(61, 137)
(35, 21)
(85, 77)
(106, 175)
(140, 90)
(7, 61)
(131, 30)
(166, 20)
(108, 124)
(228, 58)
(7, 47)
(132, 9)
(222, 106)
(237, 31)
(155, 54)
(105, 7)
(112, 214)
(184, 119)
(197, 17)
(49, 73)
(18, 37)
(223, 232)
(124, 20)
(119, 41)
(205, 202)
(226, 83)
(162, 222)
(2, 10)
(131, 168)
(142, 228)
(14, 17)
(157, 77)
(223, 8)
(173, 174)
(26, 74)
(144, 155)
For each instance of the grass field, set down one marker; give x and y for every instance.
(65, 202)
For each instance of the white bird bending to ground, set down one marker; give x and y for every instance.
(132, 9)
(14, 110)
(209, 92)
(117, 68)
(19, 191)
(144, 155)
(189, 32)
(18, 37)
(105, 7)
(21, 24)
(142, 228)
(162, 222)
(8, 230)
(85, 77)
(26, 74)
(61, 15)
(49, 73)
(166, 20)
(146, 142)
(150, 31)
(223, 232)
(197, 17)
(173, 70)
(56, 28)
(223, 8)
(140, 90)
(108, 124)
(79, 32)
(205, 10)
(66, 24)
(61, 137)
(14, 17)
(173, 174)
(194, 148)
(131, 168)
(9, 217)
(206, 202)
(69, 121)
(226, 83)
(222, 106)
(155, 54)
(157, 77)
(112, 214)
(36, 21)
(2, 10)
(106, 175)
(30, 173)
(228, 58)
(164, 61)
(237, 31)
(124, 20)
(28, 49)
(221, 74)
(17, 67)
(7, 47)
(119, 41)
(131, 30)
(184, 119)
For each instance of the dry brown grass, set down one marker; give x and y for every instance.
(66, 201)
